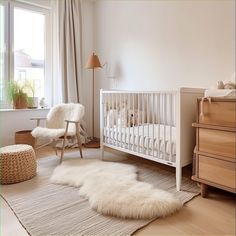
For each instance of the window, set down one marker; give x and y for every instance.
(29, 48)
(25, 47)
(2, 52)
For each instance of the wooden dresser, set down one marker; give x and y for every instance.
(215, 151)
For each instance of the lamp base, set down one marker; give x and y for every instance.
(94, 143)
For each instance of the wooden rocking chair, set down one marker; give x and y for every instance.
(62, 123)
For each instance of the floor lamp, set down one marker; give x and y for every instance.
(92, 63)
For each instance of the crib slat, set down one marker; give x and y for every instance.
(133, 147)
(105, 118)
(156, 122)
(112, 101)
(125, 98)
(138, 124)
(148, 111)
(116, 123)
(153, 105)
(165, 122)
(144, 109)
(125, 128)
(109, 118)
(171, 120)
(119, 140)
(159, 117)
(129, 121)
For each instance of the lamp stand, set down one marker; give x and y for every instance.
(93, 108)
(94, 143)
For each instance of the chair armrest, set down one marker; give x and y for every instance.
(38, 120)
(71, 121)
(41, 118)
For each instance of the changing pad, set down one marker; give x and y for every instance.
(229, 93)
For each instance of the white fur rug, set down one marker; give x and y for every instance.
(113, 189)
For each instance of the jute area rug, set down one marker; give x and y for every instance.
(46, 209)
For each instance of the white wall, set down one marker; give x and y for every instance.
(12, 121)
(153, 45)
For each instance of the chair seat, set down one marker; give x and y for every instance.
(41, 132)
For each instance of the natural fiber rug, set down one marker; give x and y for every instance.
(46, 209)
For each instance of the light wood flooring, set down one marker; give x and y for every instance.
(214, 215)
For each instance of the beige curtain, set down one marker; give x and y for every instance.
(70, 49)
(67, 54)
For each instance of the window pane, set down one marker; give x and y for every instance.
(2, 52)
(29, 48)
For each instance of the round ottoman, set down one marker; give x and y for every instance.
(17, 163)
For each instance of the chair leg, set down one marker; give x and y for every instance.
(79, 140)
(64, 143)
(55, 146)
(55, 149)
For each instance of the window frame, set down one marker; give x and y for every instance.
(9, 43)
(4, 3)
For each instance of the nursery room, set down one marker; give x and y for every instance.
(117, 117)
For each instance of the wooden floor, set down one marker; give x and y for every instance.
(214, 215)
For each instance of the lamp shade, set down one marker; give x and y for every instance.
(93, 62)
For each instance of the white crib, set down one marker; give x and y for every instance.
(153, 125)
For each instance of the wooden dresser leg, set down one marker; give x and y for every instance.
(203, 190)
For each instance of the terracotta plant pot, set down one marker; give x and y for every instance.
(21, 102)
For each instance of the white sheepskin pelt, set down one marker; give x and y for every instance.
(55, 123)
(112, 189)
(41, 132)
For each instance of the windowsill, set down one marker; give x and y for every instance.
(27, 109)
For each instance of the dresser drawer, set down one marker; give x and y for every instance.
(217, 142)
(220, 112)
(217, 171)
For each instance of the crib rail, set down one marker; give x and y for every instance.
(140, 123)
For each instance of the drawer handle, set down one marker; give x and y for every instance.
(202, 105)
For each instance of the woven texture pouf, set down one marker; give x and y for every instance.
(17, 163)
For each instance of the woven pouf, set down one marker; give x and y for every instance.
(17, 163)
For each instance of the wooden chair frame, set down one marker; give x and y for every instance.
(64, 137)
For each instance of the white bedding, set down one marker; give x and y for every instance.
(229, 93)
(144, 136)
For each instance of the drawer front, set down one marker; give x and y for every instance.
(217, 171)
(220, 113)
(217, 142)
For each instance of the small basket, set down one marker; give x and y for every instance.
(25, 137)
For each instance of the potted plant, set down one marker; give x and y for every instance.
(16, 95)
(30, 89)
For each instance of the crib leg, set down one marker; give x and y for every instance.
(102, 152)
(178, 178)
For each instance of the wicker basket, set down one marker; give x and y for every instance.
(24, 137)
(17, 164)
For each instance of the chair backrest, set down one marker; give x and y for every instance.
(66, 111)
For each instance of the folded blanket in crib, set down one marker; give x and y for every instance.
(229, 93)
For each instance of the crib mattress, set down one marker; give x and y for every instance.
(142, 136)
